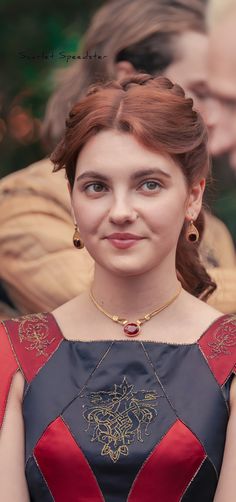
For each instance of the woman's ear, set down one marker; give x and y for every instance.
(124, 69)
(194, 202)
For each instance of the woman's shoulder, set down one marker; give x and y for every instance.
(26, 344)
(218, 345)
(214, 334)
(31, 337)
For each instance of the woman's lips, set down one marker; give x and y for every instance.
(123, 242)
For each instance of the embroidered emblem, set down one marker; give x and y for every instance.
(224, 339)
(120, 416)
(33, 330)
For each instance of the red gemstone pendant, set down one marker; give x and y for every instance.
(131, 329)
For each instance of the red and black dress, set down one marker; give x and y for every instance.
(119, 421)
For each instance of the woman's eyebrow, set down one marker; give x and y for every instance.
(150, 172)
(134, 176)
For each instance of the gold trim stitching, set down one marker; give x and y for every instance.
(223, 339)
(34, 331)
(118, 417)
(40, 471)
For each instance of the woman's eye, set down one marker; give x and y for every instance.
(95, 188)
(151, 186)
(148, 186)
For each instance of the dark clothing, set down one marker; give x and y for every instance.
(119, 421)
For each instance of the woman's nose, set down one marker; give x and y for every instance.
(122, 211)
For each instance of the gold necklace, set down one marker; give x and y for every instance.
(132, 329)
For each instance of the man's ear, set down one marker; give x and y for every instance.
(124, 69)
(194, 202)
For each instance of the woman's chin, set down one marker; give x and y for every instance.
(127, 268)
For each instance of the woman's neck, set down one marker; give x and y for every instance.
(133, 296)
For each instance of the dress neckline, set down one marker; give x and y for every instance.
(132, 340)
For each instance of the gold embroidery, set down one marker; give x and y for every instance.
(118, 417)
(33, 329)
(224, 338)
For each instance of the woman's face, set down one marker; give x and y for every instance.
(190, 67)
(130, 203)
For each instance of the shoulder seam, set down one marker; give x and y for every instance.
(218, 346)
(34, 339)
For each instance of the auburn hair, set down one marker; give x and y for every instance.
(160, 117)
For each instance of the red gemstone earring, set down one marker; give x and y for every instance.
(78, 243)
(192, 234)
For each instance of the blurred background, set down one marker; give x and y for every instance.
(35, 39)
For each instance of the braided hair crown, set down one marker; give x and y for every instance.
(135, 80)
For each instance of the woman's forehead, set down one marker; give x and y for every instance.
(115, 149)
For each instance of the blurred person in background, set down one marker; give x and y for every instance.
(39, 267)
(220, 106)
(222, 77)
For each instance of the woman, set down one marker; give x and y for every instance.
(107, 416)
(134, 35)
